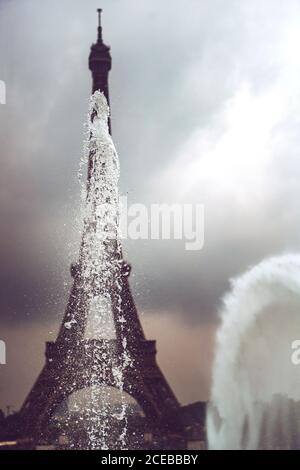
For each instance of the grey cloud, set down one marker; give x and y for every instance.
(174, 70)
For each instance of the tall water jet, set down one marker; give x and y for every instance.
(101, 264)
(255, 397)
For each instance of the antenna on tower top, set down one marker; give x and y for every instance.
(99, 10)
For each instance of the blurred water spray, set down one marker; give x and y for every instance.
(255, 397)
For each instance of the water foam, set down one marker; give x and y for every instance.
(255, 397)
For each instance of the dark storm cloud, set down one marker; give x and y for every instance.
(175, 70)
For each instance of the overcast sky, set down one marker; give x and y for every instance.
(205, 100)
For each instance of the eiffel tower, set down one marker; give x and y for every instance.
(70, 359)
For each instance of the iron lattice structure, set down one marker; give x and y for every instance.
(70, 359)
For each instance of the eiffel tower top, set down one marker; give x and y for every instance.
(100, 62)
(99, 10)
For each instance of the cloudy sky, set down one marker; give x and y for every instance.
(205, 103)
